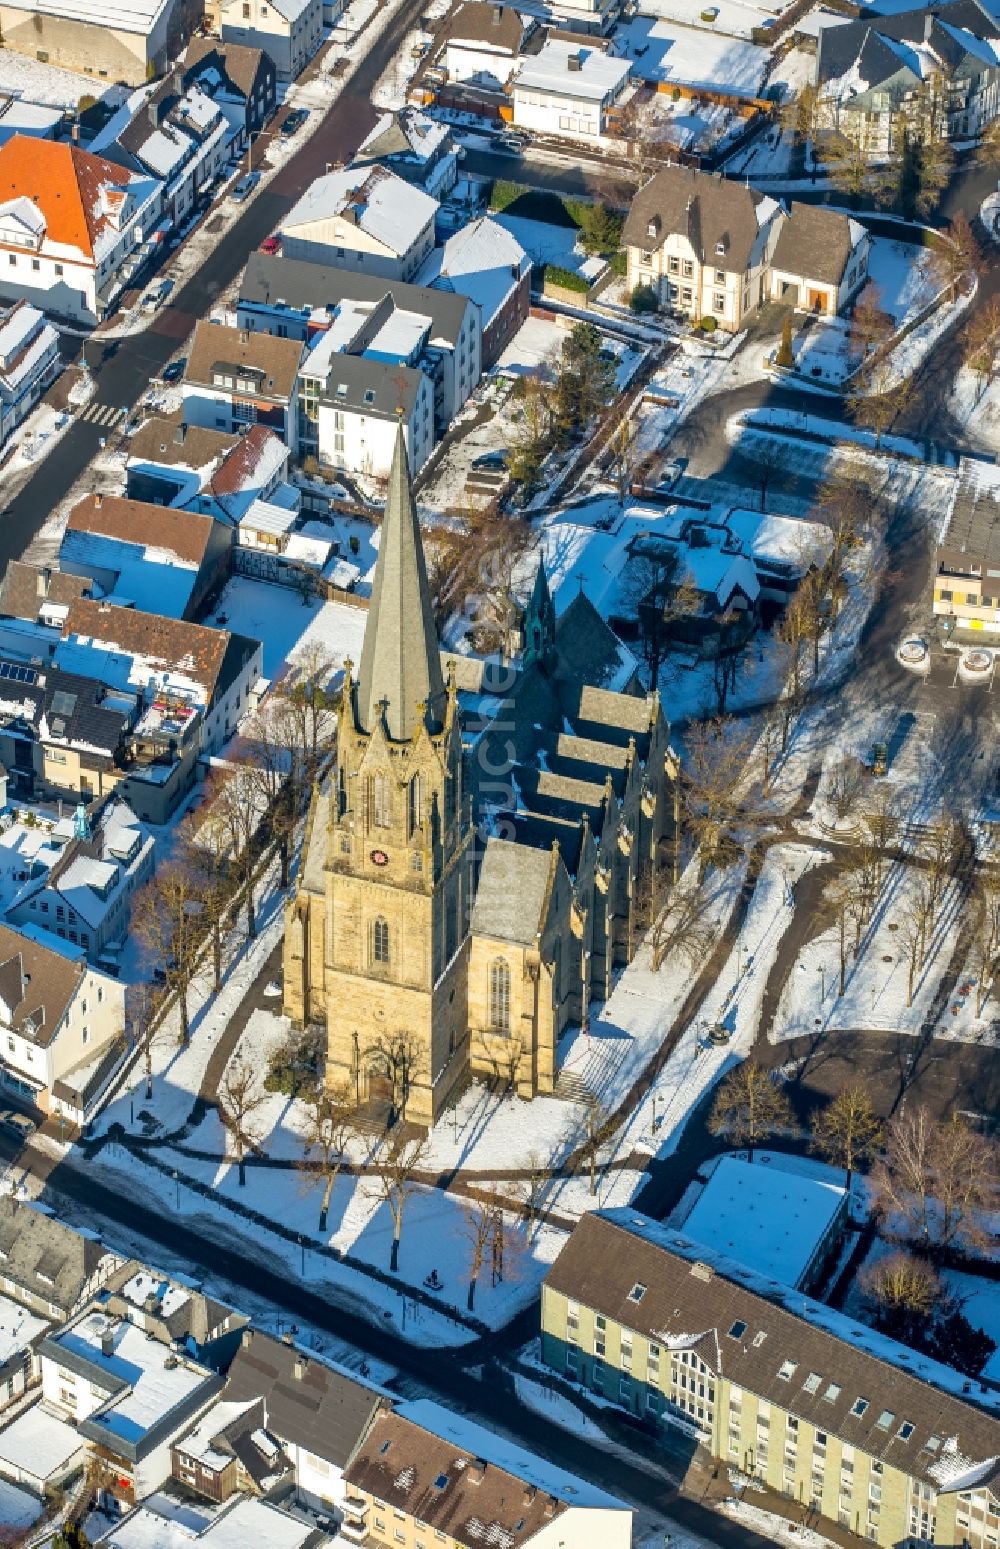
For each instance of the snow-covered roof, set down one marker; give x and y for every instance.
(547, 1477)
(121, 15)
(26, 339)
(245, 1521)
(147, 1377)
(307, 551)
(569, 70)
(38, 1444)
(262, 516)
(374, 199)
(767, 1217)
(18, 1327)
(483, 261)
(166, 149)
(780, 542)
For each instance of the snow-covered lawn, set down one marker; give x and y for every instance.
(663, 51)
(902, 272)
(287, 627)
(876, 982)
(822, 350)
(538, 342)
(977, 409)
(981, 1305)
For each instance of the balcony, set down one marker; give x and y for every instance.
(356, 1505)
(353, 1532)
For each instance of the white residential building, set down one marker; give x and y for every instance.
(362, 218)
(129, 1394)
(358, 405)
(567, 90)
(29, 362)
(289, 30)
(483, 44)
(57, 1014)
(703, 243)
(235, 379)
(75, 229)
(173, 133)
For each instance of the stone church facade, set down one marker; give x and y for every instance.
(470, 871)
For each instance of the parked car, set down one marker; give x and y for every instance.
(515, 144)
(271, 245)
(245, 187)
(492, 460)
(157, 294)
(293, 121)
(175, 370)
(17, 1124)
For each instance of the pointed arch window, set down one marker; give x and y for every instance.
(499, 996)
(416, 804)
(380, 940)
(382, 802)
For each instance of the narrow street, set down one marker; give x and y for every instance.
(123, 367)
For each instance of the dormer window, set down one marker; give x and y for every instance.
(720, 248)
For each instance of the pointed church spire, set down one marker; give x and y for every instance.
(400, 661)
(539, 619)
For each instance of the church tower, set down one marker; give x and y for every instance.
(398, 846)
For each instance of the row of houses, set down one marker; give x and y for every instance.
(79, 224)
(167, 1396)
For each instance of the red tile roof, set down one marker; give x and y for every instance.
(64, 182)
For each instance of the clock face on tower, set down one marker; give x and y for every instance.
(379, 858)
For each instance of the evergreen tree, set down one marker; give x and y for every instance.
(785, 357)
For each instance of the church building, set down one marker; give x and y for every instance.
(470, 870)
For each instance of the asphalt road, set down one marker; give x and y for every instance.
(123, 367)
(468, 1380)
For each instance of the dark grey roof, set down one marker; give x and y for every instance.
(321, 1409)
(400, 661)
(702, 1302)
(586, 646)
(814, 243)
(869, 41)
(511, 892)
(707, 208)
(973, 528)
(242, 69)
(42, 1257)
(269, 280)
(394, 389)
(75, 714)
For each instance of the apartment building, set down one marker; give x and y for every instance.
(424, 1478)
(702, 243)
(363, 218)
(119, 40)
(145, 556)
(57, 1013)
(967, 579)
(235, 379)
(175, 133)
(290, 31)
(75, 228)
(875, 1437)
(568, 91)
(30, 361)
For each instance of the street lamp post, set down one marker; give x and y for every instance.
(177, 1186)
(822, 982)
(357, 1069)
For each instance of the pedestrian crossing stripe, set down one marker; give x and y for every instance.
(103, 414)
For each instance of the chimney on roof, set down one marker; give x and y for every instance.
(575, 61)
(477, 1470)
(549, 1509)
(98, 501)
(497, 15)
(180, 434)
(530, 1491)
(247, 1339)
(701, 1271)
(929, 20)
(153, 110)
(107, 1344)
(74, 133)
(244, 336)
(299, 1368)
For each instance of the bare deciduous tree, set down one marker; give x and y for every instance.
(845, 786)
(847, 1131)
(394, 1056)
(956, 258)
(168, 917)
(679, 922)
(902, 1289)
(331, 1120)
(986, 934)
(483, 1220)
(980, 340)
(395, 1183)
(240, 1097)
(936, 1181)
(719, 754)
(749, 1106)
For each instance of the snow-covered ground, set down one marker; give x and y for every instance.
(977, 408)
(876, 982)
(31, 80)
(287, 626)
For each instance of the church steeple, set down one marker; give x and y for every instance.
(400, 661)
(539, 620)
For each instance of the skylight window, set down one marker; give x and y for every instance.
(812, 1382)
(758, 1339)
(369, 395)
(832, 1393)
(786, 1370)
(885, 1419)
(441, 1481)
(637, 1292)
(738, 1330)
(859, 1406)
(905, 1430)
